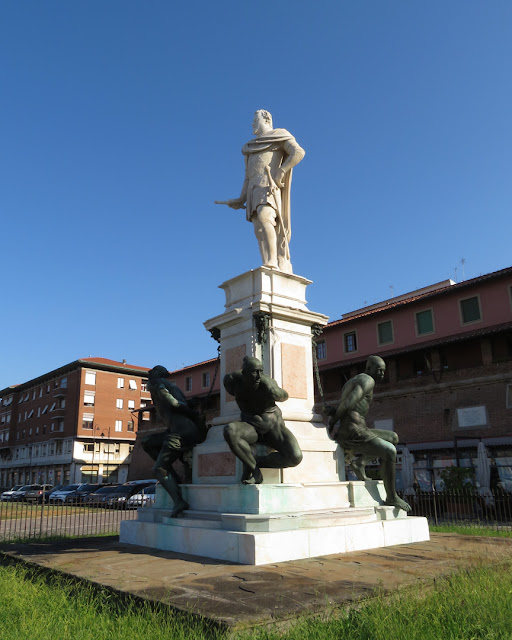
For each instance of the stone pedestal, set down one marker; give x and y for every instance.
(266, 317)
(260, 524)
(300, 512)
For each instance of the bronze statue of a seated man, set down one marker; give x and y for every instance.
(347, 426)
(261, 421)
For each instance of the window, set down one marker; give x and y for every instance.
(205, 379)
(45, 408)
(64, 383)
(62, 403)
(88, 399)
(87, 421)
(350, 342)
(52, 408)
(34, 395)
(90, 377)
(41, 392)
(120, 383)
(143, 386)
(131, 405)
(320, 350)
(119, 425)
(385, 332)
(48, 387)
(119, 403)
(132, 384)
(31, 413)
(188, 383)
(61, 425)
(509, 396)
(129, 426)
(89, 447)
(424, 322)
(386, 425)
(470, 310)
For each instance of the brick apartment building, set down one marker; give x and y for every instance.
(77, 423)
(448, 349)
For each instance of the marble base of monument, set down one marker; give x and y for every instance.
(260, 524)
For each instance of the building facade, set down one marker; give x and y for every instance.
(77, 423)
(448, 350)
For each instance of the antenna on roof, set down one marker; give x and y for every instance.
(392, 289)
(455, 278)
(463, 262)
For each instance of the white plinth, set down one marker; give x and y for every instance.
(273, 523)
(286, 354)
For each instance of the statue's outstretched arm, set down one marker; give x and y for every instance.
(238, 203)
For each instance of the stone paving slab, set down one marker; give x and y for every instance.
(240, 596)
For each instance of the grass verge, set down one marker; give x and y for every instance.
(49, 607)
(471, 530)
(466, 606)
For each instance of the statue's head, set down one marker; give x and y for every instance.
(262, 122)
(376, 368)
(252, 369)
(158, 372)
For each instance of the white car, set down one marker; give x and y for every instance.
(7, 495)
(61, 494)
(144, 498)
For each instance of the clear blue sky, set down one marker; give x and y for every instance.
(122, 121)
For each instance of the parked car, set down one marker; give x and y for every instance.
(38, 495)
(143, 498)
(98, 497)
(19, 495)
(117, 499)
(78, 495)
(59, 495)
(7, 495)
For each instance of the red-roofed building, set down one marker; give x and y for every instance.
(77, 423)
(448, 350)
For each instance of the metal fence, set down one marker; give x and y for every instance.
(21, 521)
(464, 507)
(27, 521)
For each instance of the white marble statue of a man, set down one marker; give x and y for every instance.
(269, 160)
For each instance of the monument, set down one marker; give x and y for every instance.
(268, 483)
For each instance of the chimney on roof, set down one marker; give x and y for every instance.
(124, 361)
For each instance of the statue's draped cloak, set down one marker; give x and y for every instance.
(273, 141)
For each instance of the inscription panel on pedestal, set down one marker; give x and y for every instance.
(293, 367)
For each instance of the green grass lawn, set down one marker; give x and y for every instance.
(465, 606)
(471, 530)
(469, 605)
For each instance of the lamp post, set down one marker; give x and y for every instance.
(95, 428)
(108, 451)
